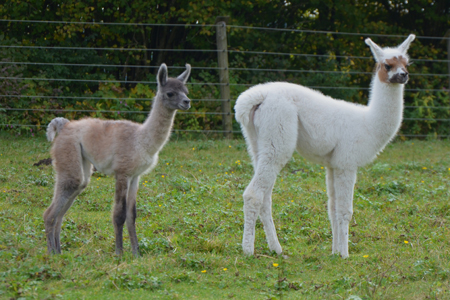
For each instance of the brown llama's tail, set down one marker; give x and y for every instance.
(55, 126)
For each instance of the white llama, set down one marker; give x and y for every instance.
(123, 148)
(279, 117)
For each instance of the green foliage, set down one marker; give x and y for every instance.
(338, 53)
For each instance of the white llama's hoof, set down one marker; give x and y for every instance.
(276, 248)
(248, 249)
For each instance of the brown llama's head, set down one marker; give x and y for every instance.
(172, 91)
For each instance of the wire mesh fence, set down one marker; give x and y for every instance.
(102, 88)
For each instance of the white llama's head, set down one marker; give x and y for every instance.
(392, 62)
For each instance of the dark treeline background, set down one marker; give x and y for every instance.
(96, 60)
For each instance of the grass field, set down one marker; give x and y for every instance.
(190, 223)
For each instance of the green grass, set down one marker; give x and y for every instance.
(190, 223)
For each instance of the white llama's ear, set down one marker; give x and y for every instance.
(162, 75)
(185, 75)
(405, 45)
(376, 50)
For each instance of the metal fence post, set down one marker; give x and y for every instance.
(222, 56)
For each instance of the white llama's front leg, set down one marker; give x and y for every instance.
(269, 227)
(332, 208)
(344, 182)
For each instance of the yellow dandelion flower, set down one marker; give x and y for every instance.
(204, 271)
(225, 269)
(292, 200)
(181, 166)
(226, 173)
(320, 173)
(422, 181)
(229, 146)
(381, 177)
(366, 256)
(160, 205)
(406, 242)
(424, 168)
(321, 168)
(221, 164)
(199, 170)
(162, 176)
(146, 181)
(275, 265)
(167, 163)
(193, 148)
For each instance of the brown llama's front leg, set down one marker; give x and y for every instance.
(131, 215)
(120, 211)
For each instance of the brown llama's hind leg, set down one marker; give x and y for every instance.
(87, 170)
(131, 215)
(70, 181)
(65, 192)
(120, 211)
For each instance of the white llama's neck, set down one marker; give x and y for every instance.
(385, 109)
(156, 129)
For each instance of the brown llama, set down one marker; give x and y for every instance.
(123, 148)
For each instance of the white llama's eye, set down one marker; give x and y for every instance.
(388, 67)
(170, 95)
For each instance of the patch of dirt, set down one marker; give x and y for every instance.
(46, 161)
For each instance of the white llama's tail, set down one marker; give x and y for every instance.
(55, 127)
(246, 104)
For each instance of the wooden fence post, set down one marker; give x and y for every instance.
(447, 35)
(222, 56)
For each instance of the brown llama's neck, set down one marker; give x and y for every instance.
(156, 129)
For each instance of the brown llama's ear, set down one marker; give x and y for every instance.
(185, 75)
(405, 45)
(376, 50)
(162, 75)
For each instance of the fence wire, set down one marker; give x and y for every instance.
(231, 69)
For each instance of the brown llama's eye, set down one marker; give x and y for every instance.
(170, 95)
(388, 67)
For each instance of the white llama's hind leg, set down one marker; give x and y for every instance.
(344, 182)
(254, 196)
(332, 207)
(276, 140)
(269, 227)
(252, 144)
